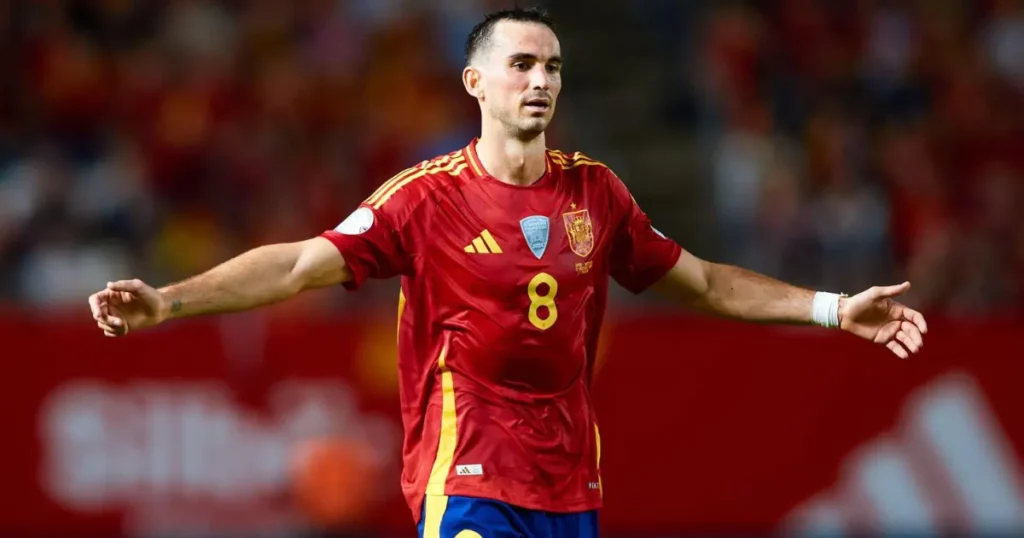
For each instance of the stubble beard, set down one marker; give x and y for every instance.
(529, 129)
(522, 128)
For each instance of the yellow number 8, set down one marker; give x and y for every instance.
(548, 299)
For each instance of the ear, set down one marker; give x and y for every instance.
(471, 80)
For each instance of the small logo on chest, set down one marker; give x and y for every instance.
(580, 231)
(483, 244)
(536, 230)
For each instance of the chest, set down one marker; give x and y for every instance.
(506, 238)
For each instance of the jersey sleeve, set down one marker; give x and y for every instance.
(377, 240)
(641, 255)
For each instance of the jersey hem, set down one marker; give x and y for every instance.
(527, 502)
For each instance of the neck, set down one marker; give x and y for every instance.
(513, 161)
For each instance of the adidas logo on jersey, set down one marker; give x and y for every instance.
(483, 244)
(469, 470)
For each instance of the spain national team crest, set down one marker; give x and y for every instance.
(535, 230)
(580, 231)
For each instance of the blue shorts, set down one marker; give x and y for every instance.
(469, 517)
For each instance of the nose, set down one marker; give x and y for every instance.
(539, 79)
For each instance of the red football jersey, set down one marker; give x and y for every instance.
(503, 294)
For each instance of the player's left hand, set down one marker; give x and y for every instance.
(874, 315)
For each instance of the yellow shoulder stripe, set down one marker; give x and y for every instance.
(576, 159)
(449, 163)
(387, 184)
(452, 165)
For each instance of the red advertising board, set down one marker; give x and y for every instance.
(706, 425)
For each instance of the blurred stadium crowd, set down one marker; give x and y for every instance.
(836, 144)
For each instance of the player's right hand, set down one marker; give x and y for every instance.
(127, 305)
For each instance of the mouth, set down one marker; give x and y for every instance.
(537, 104)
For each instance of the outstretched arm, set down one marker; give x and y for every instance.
(261, 276)
(734, 292)
(740, 294)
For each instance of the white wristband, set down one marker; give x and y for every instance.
(825, 309)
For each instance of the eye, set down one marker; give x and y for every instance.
(554, 68)
(521, 66)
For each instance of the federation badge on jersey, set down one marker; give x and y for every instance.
(358, 222)
(535, 230)
(580, 231)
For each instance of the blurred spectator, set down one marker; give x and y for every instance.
(853, 142)
(1003, 37)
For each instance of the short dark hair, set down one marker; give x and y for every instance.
(480, 37)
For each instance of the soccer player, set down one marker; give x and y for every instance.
(505, 249)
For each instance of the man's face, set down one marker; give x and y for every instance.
(520, 76)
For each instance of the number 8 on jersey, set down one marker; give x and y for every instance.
(546, 299)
